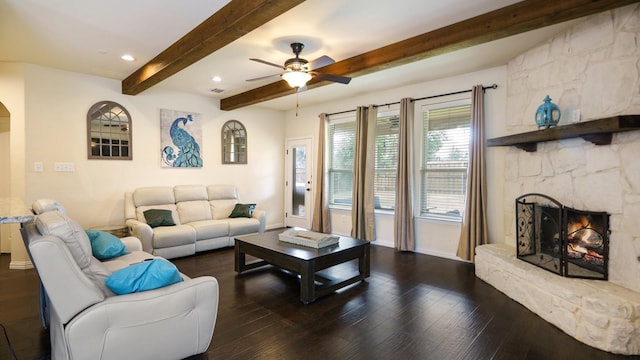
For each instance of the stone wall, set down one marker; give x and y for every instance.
(594, 68)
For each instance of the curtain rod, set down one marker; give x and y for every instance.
(494, 86)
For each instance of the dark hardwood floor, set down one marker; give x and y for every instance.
(413, 306)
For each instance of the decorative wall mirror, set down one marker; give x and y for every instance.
(108, 132)
(234, 143)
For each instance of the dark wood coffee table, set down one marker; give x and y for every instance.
(304, 261)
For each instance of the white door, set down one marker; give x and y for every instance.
(298, 183)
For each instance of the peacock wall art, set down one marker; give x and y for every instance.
(180, 139)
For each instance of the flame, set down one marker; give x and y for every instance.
(582, 231)
(583, 223)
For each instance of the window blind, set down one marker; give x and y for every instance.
(445, 158)
(341, 148)
(386, 162)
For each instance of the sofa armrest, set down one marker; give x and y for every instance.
(171, 322)
(261, 215)
(143, 232)
(132, 243)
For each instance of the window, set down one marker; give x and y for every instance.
(109, 131)
(340, 168)
(445, 157)
(384, 186)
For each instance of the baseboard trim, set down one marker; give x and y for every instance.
(274, 226)
(20, 265)
(422, 251)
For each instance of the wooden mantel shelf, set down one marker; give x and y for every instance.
(598, 132)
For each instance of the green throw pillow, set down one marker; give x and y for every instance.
(158, 217)
(242, 210)
(105, 246)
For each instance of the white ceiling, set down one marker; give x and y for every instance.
(90, 36)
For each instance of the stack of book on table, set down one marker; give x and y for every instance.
(308, 238)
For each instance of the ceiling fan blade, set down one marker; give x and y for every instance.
(269, 63)
(263, 77)
(322, 61)
(330, 77)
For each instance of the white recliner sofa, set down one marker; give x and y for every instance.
(88, 321)
(200, 217)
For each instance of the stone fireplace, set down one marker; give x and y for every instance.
(591, 71)
(565, 241)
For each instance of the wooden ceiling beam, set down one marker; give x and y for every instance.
(233, 21)
(507, 21)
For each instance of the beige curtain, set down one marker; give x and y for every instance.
(474, 222)
(403, 230)
(321, 221)
(363, 207)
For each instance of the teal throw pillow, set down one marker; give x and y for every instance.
(146, 275)
(242, 210)
(158, 217)
(105, 246)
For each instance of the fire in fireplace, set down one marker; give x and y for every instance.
(566, 241)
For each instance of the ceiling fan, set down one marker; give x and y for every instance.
(297, 71)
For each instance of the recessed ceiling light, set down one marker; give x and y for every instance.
(127, 57)
(216, 78)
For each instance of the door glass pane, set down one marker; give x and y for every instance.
(299, 166)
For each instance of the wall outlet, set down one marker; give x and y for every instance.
(64, 167)
(575, 116)
(38, 167)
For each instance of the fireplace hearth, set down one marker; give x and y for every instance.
(565, 241)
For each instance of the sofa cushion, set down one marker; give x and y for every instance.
(222, 199)
(197, 210)
(210, 229)
(169, 236)
(147, 275)
(242, 210)
(241, 226)
(158, 217)
(190, 193)
(157, 195)
(123, 261)
(222, 192)
(220, 209)
(43, 205)
(105, 246)
(54, 223)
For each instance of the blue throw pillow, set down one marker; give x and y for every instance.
(105, 246)
(146, 275)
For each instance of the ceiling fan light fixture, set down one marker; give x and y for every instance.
(296, 79)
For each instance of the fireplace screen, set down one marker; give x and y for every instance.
(566, 241)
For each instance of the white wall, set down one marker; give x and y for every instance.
(433, 237)
(5, 173)
(12, 96)
(56, 105)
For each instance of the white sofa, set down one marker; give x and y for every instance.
(88, 321)
(201, 217)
